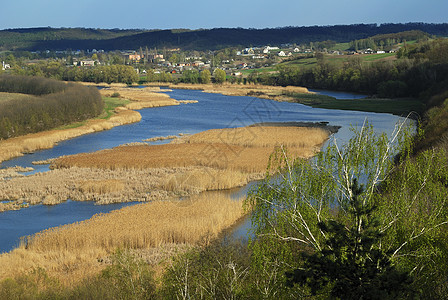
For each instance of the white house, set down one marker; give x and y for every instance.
(87, 63)
(5, 66)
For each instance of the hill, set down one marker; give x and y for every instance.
(217, 38)
(28, 38)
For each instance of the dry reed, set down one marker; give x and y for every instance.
(112, 186)
(262, 91)
(141, 98)
(72, 252)
(212, 160)
(239, 149)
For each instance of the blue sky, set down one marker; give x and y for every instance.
(193, 14)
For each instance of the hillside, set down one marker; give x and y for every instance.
(27, 38)
(217, 38)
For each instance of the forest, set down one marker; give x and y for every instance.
(40, 104)
(206, 39)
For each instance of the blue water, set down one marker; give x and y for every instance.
(211, 111)
(15, 224)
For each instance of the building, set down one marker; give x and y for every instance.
(135, 57)
(5, 66)
(87, 63)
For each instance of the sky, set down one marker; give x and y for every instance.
(195, 14)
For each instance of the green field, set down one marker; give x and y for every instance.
(110, 103)
(401, 107)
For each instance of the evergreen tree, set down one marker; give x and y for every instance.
(351, 264)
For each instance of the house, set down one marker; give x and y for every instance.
(283, 53)
(296, 50)
(380, 51)
(197, 63)
(135, 57)
(5, 66)
(87, 63)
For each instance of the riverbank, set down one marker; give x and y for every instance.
(137, 99)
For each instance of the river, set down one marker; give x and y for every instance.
(211, 111)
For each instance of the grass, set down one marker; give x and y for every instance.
(110, 104)
(401, 107)
(139, 98)
(375, 57)
(74, 252)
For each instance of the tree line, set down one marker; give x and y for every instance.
(421, 70)
(386, 41)
(97, 74)
(50, 104)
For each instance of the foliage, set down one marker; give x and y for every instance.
(205, 77)
(219, 76)
(351, 261)
(306, 210)
(386, 41)
(57, 104)
(190, 76)
(79, 38)
(421, 71)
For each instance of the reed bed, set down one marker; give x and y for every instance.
(212, 160)
(239, 149)
(257, 90)
(13, 172)
(113, 186)
(72, 252)
(263, 136)
(141, 98)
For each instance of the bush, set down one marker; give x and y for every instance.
(56, 103)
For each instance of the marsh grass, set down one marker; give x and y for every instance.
(244, 149)
(261, 91)
(140, 98)
(76, 251)
(212, 160)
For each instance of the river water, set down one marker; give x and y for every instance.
(212, 111)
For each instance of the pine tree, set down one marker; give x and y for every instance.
(352, 265)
